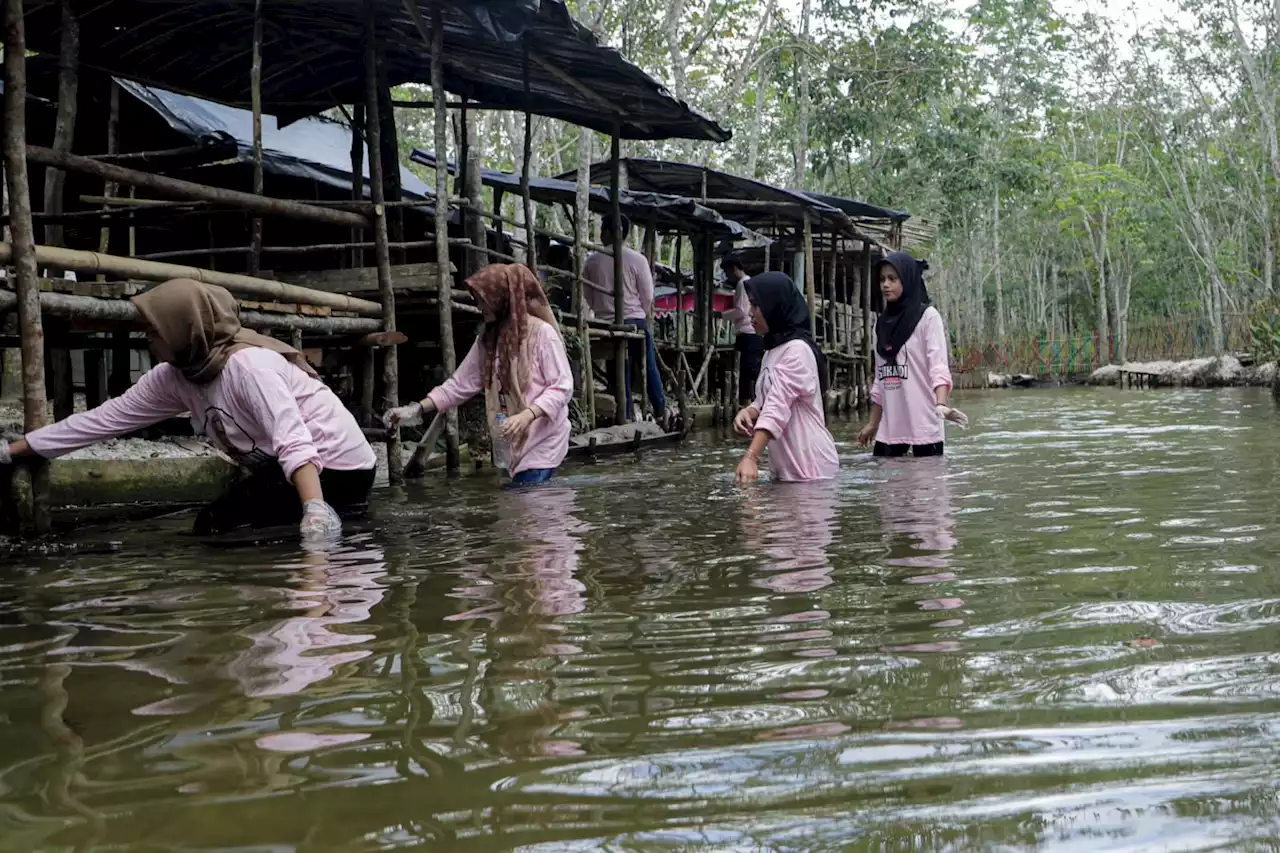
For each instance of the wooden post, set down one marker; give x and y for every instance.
(868, 330)
(581, 217)
(615, 212)
(833, 339)
(357, 176)
(472, 190)
(389, 154)
(59, 360)
(109, 188)
(373, 131)
(64, 127)
(95, 377)
(648, 245)
(682, 382)
(255, 96)
(368, 378)
(31, 482)
(445, 291)
(808, 275)
(531, 251)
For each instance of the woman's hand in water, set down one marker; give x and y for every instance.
(867, 434)
(748, 469)
(403, 416)
(745, 421)
(956, 416)
(517, 427)
(320, 523)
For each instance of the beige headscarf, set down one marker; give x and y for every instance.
(196, 328)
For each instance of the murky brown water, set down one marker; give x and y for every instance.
(1064, 635)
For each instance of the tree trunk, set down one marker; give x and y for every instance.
(802, 121)
(995, 233)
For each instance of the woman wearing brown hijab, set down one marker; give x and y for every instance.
(256, 398)
(519, 362)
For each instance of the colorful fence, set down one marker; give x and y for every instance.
(1076, 355)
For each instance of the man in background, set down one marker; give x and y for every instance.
(637, 304)
(749, 345)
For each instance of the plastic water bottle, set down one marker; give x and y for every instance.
(501, 452)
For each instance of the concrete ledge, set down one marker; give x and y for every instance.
(94, 482)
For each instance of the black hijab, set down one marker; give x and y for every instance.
(787, 314)
(899, 319)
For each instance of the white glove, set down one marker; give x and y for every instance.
(956, 416)
(320, 522)
(403, 416)
(5, 456)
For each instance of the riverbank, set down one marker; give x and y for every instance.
(1221, 372)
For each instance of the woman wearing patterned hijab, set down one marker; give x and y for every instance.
(519, 362)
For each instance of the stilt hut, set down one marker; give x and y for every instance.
(826, 249)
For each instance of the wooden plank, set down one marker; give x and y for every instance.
(422, 277)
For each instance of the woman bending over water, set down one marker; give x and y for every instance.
(913, 379)
(788, 408)
(253, 396)
(519, 362)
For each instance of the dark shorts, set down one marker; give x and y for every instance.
(892, 450)
(751, 351)
(266, 499)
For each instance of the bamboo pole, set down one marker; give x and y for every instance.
(615, 212)
(868, 361)
(581, 212)
(382, 254)
(526, 166)
(682, 394)
(255, 96)
(473, 190)
(453, 460)
(357, 179)
(810, 295)
(90, 308)
(832, 334)
(243, 285)
(189, 190)
(113, 147)
(64, 128)
(648, 246)
(31, 483)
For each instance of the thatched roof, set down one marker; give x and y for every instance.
(313, 57)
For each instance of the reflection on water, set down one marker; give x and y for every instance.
(1062, 635)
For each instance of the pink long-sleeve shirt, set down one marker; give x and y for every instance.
(637, 285)
(740, 313)
(550, 389)
(789, 400)
(260, 401)
(905, 391)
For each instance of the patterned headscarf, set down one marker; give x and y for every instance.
(510, 293)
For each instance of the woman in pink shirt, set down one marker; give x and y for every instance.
(788, 409)
(913, 377)
(519, 362)
(256, 398)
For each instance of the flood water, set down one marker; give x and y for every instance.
(1065, 635)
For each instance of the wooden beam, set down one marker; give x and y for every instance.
(255, 97)
(622, 393)
(64, 127)
(93, 262)
(453, 458)
(199, 192)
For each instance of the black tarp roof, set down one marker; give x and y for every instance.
(686, 179)
(312, 57)
(859, 209)
(638, 206)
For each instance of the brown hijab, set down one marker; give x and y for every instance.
(196, 328)
(511, 293)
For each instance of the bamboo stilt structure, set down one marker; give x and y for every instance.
(623, 392)
(247, 202)
(453, 460)
(373, 135)
(809, 288)
(581, 214)
(31, 482)
(64, 128)
(255, 94)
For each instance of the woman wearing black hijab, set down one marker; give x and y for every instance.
(788, 408)
(913, 377)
